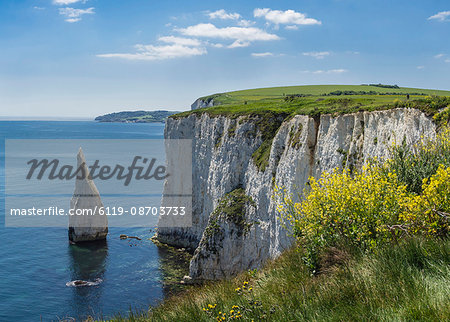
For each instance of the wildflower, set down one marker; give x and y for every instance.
(351, 205)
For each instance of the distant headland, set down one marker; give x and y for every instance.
(136, 116)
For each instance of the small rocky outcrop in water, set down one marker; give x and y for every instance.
(79, 283)
(86, 197)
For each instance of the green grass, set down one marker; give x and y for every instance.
(258, 94)
(260, 101)
(406, 282)
(303, 105)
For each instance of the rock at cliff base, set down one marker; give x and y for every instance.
(187, 280)
(79, 283)
(91, 225)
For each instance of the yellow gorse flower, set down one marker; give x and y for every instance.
(364, 207)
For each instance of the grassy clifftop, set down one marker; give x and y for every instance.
(322, 99)
(258, 94)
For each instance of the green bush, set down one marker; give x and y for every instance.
(413, 164)
(429, 104)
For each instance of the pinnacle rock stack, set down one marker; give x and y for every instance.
(83, 228)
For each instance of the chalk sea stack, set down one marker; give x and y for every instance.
(92, 227)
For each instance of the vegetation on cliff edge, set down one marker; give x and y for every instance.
(261, 94)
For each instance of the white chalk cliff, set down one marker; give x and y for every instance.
(223, 169)
(86, 198)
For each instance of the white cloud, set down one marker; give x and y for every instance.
(237, 33)
(317, 54)
(291, 27)
(38, 8)
(267, 54)
(66, 2)
(186, 46)
(441, 16)
(439, 56)
(239, 43)
(222, 14)
(180, 41)
(74, 15)
(245, 23)
(216, 45)
(447, 60)
(151, 52)
(288, 17)
(330, 71)
(420, 67)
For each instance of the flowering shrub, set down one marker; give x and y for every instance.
(344, 208)
(429, 213)
(413, 164)
(365, 209)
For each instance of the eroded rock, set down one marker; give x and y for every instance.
(87, 223)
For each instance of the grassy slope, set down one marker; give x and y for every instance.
(263, 100)
(402, 283)
(237, 97)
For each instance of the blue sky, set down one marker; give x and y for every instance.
(82, 58)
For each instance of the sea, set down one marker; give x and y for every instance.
(37, 263)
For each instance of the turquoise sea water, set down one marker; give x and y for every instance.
(36, 263)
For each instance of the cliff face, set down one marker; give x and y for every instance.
(227, 183)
